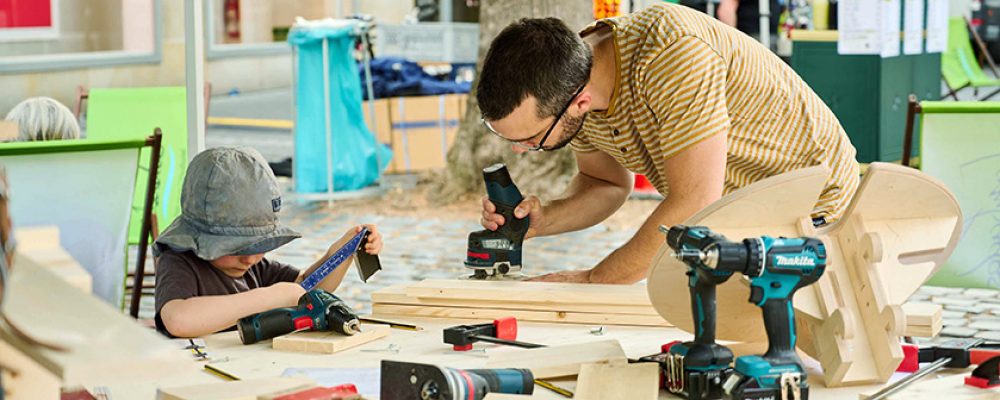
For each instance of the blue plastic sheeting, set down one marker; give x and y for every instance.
(352, 145)
(396, 76)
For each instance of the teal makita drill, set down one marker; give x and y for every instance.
(777, 268)
(318, 310)
(497, 253)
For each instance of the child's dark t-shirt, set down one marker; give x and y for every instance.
(183, 275)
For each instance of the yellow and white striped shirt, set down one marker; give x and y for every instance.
(683, 77)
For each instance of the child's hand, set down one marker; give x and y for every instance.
(374, 245)
(290, 292)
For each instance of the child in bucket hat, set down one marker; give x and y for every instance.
(211, 267)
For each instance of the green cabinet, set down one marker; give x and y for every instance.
(868, 93)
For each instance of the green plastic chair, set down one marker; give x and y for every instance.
(132, 113)
(959, 66)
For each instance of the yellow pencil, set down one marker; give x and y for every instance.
(554, 388)
(221, 373)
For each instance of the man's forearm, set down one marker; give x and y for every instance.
(630, 263)
(586, 202)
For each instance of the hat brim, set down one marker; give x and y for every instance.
(181, 236)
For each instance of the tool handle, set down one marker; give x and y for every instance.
(779, 323)
(500, 187)
(502, 380)
(266, 325)
(702, 308)
(515, 343)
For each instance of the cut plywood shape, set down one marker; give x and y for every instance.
(897, 230)
(524, 315)
(23, 378)
(102, 342)
(558, 361)
(397, 295)
(236, 390)
(328, 342)
(639, 381)
(540, 292)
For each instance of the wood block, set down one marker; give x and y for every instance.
(640, 381)
(328, 342)
(922, 314)
(236, 390)
(560, 360)
(541, 292)
(102, 343)
(524, 315)
(923, 331)
(397, 295)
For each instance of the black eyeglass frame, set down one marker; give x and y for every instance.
(541, 143)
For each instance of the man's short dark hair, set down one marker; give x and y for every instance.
(540, 57)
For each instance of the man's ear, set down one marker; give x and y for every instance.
(583, 101)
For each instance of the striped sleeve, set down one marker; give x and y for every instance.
(685, 87)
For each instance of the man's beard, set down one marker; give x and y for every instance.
(570, 124)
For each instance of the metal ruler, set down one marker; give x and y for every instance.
(334, 261)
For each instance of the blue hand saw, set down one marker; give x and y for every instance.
(367, 264)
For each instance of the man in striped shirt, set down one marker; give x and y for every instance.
(696, 106)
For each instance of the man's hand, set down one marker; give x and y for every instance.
(575, 276)
(531, 206)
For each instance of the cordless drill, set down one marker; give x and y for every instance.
(497, 253)
(408, 381)
(777, 268)
(696, 370)
(318, 310)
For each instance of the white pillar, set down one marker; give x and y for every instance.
(194, 74)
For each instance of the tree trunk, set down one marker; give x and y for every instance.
(545, 174)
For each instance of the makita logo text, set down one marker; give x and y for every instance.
(802, 261)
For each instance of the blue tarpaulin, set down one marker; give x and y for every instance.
(352, 145)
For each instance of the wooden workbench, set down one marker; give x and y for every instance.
(260, 361)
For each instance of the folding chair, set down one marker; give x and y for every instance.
(959, 66)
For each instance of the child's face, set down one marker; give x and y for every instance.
(236, 266)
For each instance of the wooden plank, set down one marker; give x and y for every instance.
(236, 390)
(524, 315)
(540, 292)
(640, 381)
(328, 342)
(397, 295)
(560, 360)
(41, 244)
(922, 314)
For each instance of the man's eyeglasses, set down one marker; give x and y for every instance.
(522, 143)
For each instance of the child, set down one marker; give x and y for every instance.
(211, 268)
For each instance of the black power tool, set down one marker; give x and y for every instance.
(497, 253)
(318, 310)
(409, 381)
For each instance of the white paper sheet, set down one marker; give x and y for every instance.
(913, 26)
(890, 18)
(858, 26)
(937, 26)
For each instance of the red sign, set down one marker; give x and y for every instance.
(25, 13)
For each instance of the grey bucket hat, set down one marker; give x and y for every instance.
(229, 206)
